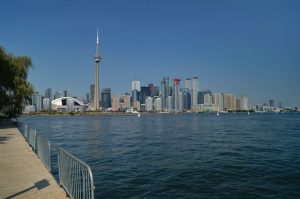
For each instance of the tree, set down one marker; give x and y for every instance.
(15, 90)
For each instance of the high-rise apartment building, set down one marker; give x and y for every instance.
(106, 98)
(37, 101)
(48, 94)
(244, 103)
(229, 102)
(116, 103)
(46, 104)
(208, 99)
(164, 92)
(188, 84)
(176, 83)
(158, 104)
(149, 104)
(195, 90)
(219, 101)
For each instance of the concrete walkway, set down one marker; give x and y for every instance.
(22, 174)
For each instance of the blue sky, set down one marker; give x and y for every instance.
(239, 47)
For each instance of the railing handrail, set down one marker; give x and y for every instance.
(66, 185)
(32, 138)
(44, 151)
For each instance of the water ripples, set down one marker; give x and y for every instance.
(183, 156)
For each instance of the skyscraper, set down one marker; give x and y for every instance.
(188, 84)
(176, 83)
(136, 85)
(164, 92)
(92, 91)
(195, 90)
(219, 101)
(48, 94)
(244, 106)
(97, 60)
(106, 98)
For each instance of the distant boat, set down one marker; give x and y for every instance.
(139, 115)
(248, 113)
(218, 113)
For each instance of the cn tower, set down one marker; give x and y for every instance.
(97, 60)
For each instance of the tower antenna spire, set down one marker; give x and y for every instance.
(97, 60)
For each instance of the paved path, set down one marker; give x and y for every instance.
(22, 174)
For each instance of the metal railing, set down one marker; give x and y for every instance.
(44, 151)
(32, 138)
(75, 176)
(26, 131)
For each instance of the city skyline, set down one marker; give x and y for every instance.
(246, 48)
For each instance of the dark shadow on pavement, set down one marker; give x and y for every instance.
(3, 139)
(39, 185)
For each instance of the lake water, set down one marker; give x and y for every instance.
(182, 155)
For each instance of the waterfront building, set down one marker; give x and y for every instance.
(158, 104)
(92, 91)
(136, 85)
(208, 98)
(48, 94)
(204, 108)
(229, 102)
(219, 101)
(195, 90)
(176, 83)
(137, 105)
(116, 103)
(106, 98)
(67, 104)
(180, 101)
(127, 101)
(37, 101)
(244, 103)
(46, 104)
(149, 104)
(97, 60)
(170, 103)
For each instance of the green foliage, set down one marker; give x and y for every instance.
(15, 90)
